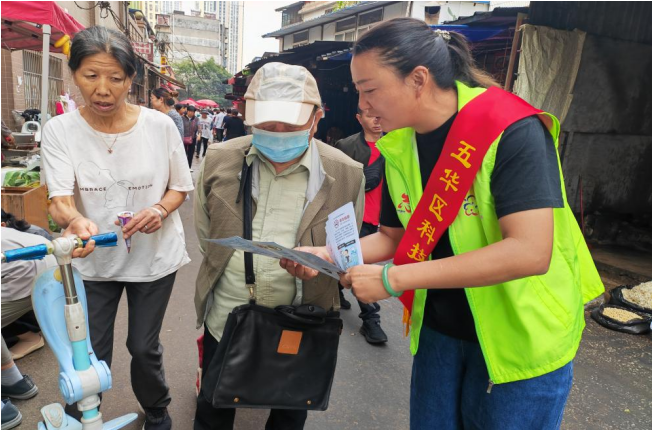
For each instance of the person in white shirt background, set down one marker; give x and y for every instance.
(218, 126)
(205, 130)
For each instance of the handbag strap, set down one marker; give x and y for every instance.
(245, 193)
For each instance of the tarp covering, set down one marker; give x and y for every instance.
(472, 33)
(548, 67)
(19, 17)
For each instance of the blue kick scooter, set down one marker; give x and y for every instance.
(59, 302)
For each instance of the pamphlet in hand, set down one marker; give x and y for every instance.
(274, 250)
(343, 242)
(343, 245)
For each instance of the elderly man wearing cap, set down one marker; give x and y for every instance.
(297, 181)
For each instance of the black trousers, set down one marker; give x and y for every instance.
(219, 134)
(147, 303)
(209, 418)
(368, 310)
(202, 141)
(190, 150)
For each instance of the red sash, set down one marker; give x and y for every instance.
(476, 126)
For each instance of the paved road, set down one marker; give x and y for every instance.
(612, 387)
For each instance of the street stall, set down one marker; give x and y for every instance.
(333, 78)
(45, 27)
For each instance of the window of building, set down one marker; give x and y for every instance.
(368, 20)
(210, 7)
(32, 63)
(346, 29)
(346, 24)
(299, 39)
(290, 16)
(370, 17)
(432, 15)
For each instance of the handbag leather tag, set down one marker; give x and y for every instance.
(289, 343)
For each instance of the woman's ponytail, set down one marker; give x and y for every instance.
(465, 69)
(406, 43)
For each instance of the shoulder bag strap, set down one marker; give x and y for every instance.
(245, 193)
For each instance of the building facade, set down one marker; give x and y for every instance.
(188, 36)
(226, 35)
(306, 22)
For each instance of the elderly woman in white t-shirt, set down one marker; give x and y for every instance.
(108, 157)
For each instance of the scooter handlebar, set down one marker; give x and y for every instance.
(104, 239)
(39, 251)
(36, 252)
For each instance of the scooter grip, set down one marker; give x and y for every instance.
(36, 252)
(104, 239)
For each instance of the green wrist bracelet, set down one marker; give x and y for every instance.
(386, 283)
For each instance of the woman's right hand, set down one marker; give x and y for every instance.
(83, 228)
(300, 271)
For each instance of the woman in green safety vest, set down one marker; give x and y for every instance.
(487, 256)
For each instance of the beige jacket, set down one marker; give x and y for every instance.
(340, 181)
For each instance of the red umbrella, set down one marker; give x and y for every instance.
(208, 103)
(190, 102)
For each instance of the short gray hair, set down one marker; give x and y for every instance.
(98, 40)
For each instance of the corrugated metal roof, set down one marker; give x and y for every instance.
(622, 20)
(312, 51)
(329, 17)
(288, 6)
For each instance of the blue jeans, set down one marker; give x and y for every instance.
(450, 383)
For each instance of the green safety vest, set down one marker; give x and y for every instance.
(527, 327)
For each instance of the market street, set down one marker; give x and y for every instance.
(612, 384)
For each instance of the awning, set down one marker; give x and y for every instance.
(166, 78)
(37, 26)
(22, 24)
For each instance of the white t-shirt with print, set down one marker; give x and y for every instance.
(146, 161)
(204, 125)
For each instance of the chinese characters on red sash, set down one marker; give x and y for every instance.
(476, 126)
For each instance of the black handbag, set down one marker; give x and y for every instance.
(282, 358)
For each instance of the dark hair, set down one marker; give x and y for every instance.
(229, 111)
(12, 222)
(192, 108)
(165, 94)
(179, 106)
(405, 43)
(99, 40)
